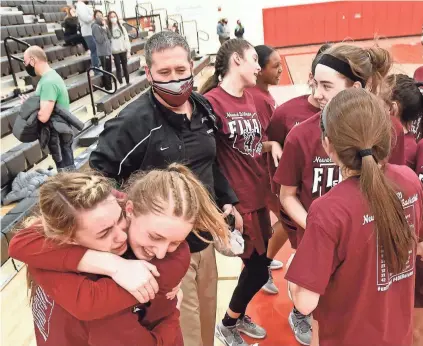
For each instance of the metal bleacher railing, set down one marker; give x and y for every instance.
(93, 87)
(11, 56)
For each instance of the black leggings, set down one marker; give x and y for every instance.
(254, 275)
(75, 39)
(121, 59)
(106, 64)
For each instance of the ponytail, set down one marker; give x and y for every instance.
(360, 131)
(221, 65)
(393, 232)
(381, 62)
(211, 83)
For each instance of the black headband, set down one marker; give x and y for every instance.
(340, 66)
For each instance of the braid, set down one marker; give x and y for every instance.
(221, 65)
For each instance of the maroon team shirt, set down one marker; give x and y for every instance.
(305, 164)
(285, 117)
(398, 147)
(410, 150)
(265, 105)
(360, 303)
(418, 303)
(239, 146)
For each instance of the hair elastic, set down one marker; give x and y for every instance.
(340, 66)
(365, 152)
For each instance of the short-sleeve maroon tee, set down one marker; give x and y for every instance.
(239, 146)
(305, 164)
(285, 117)
(360, 303)
(410, 150)
(398, 147)
(265, 105)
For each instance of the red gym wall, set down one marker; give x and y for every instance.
(336, 21)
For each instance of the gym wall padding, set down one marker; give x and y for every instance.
(340, 20)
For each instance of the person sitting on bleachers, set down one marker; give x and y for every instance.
(72, 28)
(51, 89)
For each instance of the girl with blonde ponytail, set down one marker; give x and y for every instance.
(355, 267)
(83, 229)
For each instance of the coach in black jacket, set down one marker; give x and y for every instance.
(167, 124)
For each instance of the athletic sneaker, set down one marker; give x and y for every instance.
(276, 265)
(270, 286)
(301, 327)
(248, 327)
(229, 336)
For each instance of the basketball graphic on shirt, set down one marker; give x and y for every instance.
(42, 309)
(245, 132)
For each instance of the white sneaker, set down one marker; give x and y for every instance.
(270, 286)
(276, 265)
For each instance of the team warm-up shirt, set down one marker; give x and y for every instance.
(73, 309)
(361, 302)
(410, 150)
(285, 117)
(265, 105)
(397, 156)
(419, 160)
(418, 303)
(239, 146)
(305, 164)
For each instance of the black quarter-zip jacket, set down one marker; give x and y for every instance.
(147, 135)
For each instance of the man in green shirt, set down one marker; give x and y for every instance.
(51, 89)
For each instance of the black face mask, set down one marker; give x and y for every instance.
(30, 70)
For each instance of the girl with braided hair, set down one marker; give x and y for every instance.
(83, 229)
(240, 144)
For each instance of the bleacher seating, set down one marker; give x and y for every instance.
(47, 8)
(11, 19)
(71, 63)
(55, 17)
(22, 30)
(44, 41)
(55, 53)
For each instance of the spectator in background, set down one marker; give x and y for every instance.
(239, 30)
(121, 46)
(222, 30)
(85, 16)
(51, 89)
(72, 29)
(102, 37)
(175, 28)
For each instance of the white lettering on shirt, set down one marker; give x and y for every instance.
(325, 176)
(368, 219)
(384, 278)
(42, 309)
(245, 124)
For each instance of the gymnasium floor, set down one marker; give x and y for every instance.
(269, 311)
